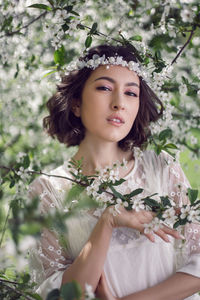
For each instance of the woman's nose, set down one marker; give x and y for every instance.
(117, 102)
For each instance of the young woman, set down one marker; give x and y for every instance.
(105, 107)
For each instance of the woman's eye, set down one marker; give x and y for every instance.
(103, 88)
(131, 94)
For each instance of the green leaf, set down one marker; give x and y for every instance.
(180, 222)
(88, 41)
(158, 55)
(170, 146)
(49, 73)
(53, 295)
(116, 194)
(136, 38)
(7, 23)
(158, 149)
(151, 202)
(74, 193)
(26, 277)
(159, 215)
(80, 26)
(196, 202)
(17, 71)
(71, 290)
(185, 80)
(12, 183)
(40, 6)
(26, 162)
(134, 193)
(165, 201)
(31, 228)
(192, 194)
(176, 224)
(59, 56)
(118, 182)
(146, 60)
(75, 13)
(86, 201)
(35, 296)
(65, 27)
(94, 28)
(68, 8)
(166, 133)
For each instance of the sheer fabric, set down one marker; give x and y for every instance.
(133, 263)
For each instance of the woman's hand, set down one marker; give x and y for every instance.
(102, 291)
(136, 220)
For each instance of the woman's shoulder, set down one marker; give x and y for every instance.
(152, 159)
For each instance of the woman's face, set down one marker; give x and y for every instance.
(110, 103)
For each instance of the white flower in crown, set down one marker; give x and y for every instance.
(111, 60)
(119, 61)
(90, 63)
(80, 64)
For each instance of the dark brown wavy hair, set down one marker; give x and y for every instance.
(68, 129)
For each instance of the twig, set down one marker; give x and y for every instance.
(186, 43)
(52, 175)
(25, 26)
(100, 33)
(42, 173)
(8, 281)
(17, 292)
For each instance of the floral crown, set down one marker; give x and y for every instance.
(153, 79)
(96, 60)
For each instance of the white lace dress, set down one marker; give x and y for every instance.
(133, 263)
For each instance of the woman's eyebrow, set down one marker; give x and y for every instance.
(113, 81)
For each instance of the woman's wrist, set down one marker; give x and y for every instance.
(107, 219)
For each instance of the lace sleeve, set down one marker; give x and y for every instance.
(49, 260)
(178, 185)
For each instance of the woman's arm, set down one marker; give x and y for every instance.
(87, 267)
(177, 287)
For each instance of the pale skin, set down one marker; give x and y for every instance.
(107, 95)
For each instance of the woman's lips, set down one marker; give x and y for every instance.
(115, 120)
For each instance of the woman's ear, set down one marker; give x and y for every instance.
(76, 108)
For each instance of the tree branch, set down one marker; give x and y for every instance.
(17, 292)
(183, 47)
(51, 175)
(8, 281)
(25, 26)
(42, 173)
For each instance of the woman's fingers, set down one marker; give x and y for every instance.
(165, 231)
(162, 235)
(171, 231)
(137, 219)
(150, 237)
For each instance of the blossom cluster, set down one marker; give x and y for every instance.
(102, 187)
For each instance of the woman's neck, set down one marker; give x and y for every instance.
(98, 155)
